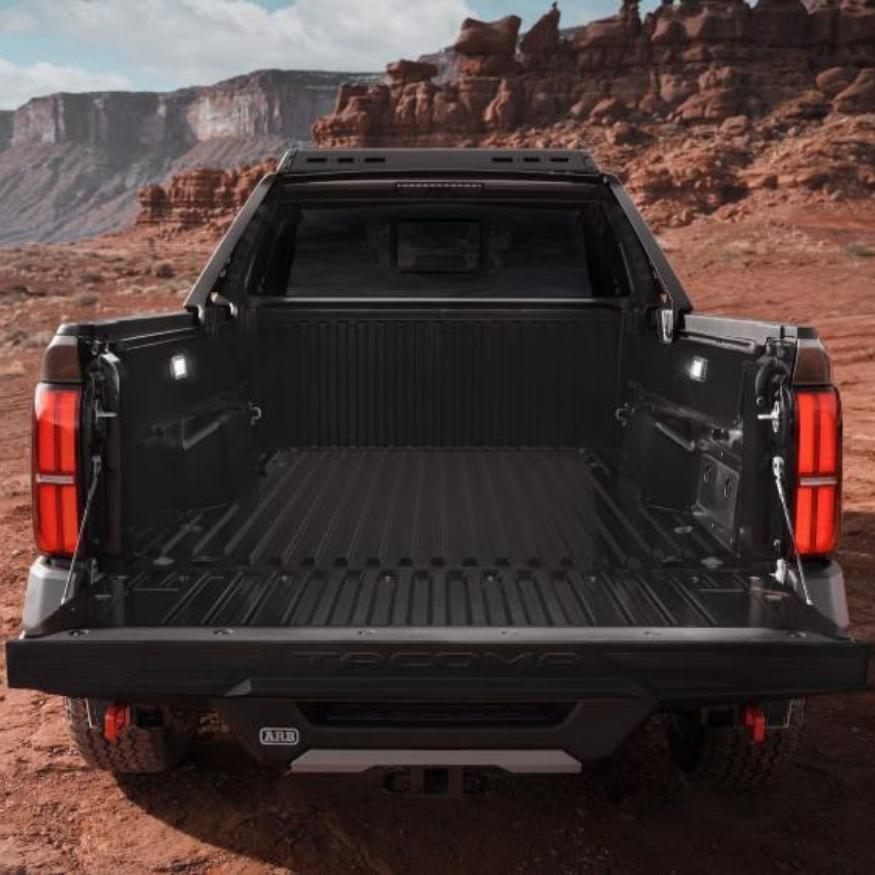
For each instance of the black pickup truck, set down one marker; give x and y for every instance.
(437, 469)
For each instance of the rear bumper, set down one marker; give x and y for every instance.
(674, 667)
(277, 688)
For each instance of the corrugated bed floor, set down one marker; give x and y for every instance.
(434, 508)
(442, 537)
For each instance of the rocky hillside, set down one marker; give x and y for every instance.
(203, 199)
(732, 169)
(700, 108)
(693, 63)
(6, 117)
(70, 164)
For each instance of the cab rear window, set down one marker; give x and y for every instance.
(439, 251)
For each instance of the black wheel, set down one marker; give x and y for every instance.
(138, 749)
(640, 772)
(726, 758)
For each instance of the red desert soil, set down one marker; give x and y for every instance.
(223, 814)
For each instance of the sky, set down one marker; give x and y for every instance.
(158, 45)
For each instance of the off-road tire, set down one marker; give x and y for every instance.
(640, 772)
(727, 759)
(138, 750)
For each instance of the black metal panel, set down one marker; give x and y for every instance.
(438, 379)
(376, 161)
(504, 665)
(586, 730)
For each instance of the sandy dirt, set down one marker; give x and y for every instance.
(222, 814)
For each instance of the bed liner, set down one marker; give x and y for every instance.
(442, 538)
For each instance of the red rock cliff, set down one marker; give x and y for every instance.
(701, 61)
(200, 198)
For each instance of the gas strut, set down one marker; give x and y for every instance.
(96, 468)
(778, 472)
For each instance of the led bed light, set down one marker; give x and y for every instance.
(698, 369)
(179, 367)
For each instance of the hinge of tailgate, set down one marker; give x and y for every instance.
(106, 383)
(666, 321)
(775, 416)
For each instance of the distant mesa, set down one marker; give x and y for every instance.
(71, 164)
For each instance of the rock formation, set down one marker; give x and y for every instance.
(6, 117)
(543, 38)
(70, 164)
(265, 103)
(199, 198)
(695, 62)
(702, 105)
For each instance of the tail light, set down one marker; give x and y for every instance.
(55, 467)
(818, 471)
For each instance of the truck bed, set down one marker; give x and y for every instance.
(399, 575)
(443, 538)
(430, 474)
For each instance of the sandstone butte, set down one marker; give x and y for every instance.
(203, 198)
(696, 106)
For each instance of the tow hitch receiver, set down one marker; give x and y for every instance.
(116, 718)
(450, 782)
(755, 722)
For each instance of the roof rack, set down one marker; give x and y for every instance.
(309, 161)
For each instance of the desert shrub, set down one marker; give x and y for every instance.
(861, 250)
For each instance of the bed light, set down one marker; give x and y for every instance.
(179, 367)
(698, 369)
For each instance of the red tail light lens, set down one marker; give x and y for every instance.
(818, 471)
(55, 466)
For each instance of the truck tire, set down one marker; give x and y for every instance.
(640, 772)
(138, 749)
(725, 758)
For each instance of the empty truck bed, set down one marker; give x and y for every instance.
(459, 537)
(461, 442)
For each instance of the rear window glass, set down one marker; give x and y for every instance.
(439, 251)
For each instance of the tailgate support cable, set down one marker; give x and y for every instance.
(96, 467)
(778, 472)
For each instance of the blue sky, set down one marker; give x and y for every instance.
(83, 45)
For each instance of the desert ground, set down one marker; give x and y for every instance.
(222, 814)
